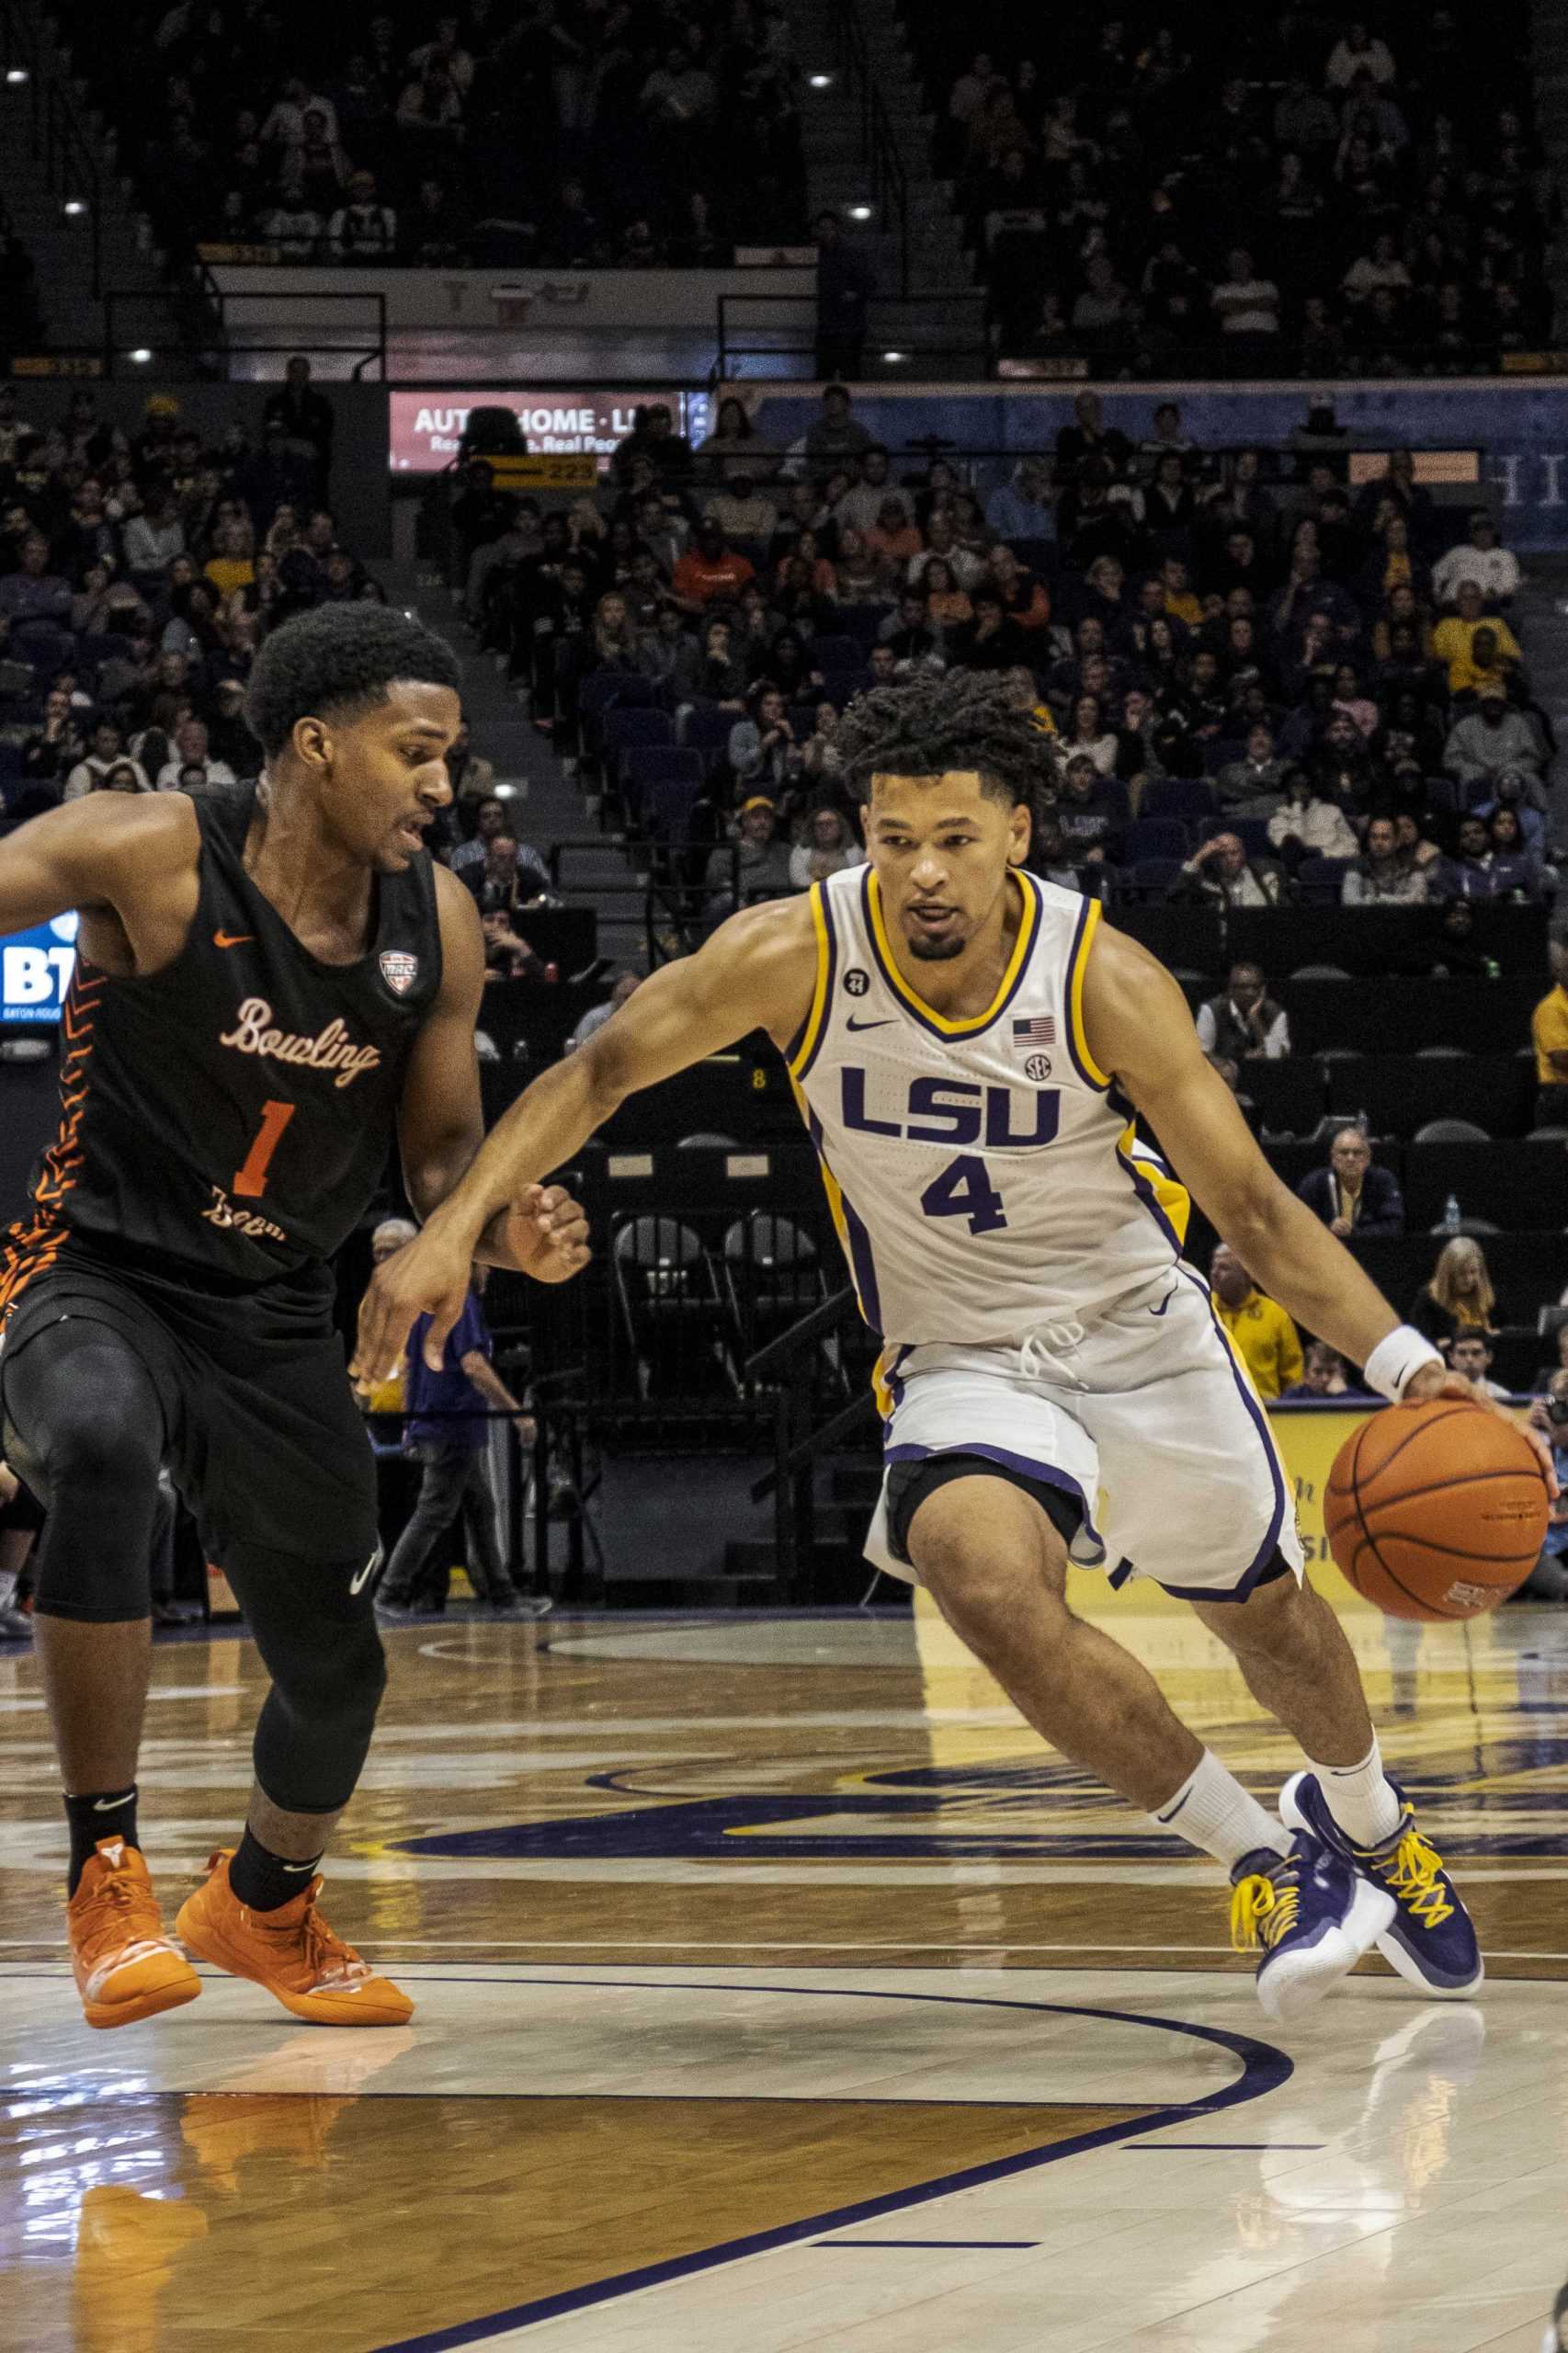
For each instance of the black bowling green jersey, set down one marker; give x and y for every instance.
(232, 1115)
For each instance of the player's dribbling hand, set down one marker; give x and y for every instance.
(1435, 1380)
(546, 1234)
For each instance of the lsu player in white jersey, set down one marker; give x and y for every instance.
(971, 1049)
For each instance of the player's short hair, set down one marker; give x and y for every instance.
(936, 723)
(338, 661)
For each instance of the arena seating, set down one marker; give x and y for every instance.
(1242, 193)
(377, 139)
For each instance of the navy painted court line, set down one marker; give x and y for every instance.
(1159, 2148)
(1263, 2069)
(858, 2242)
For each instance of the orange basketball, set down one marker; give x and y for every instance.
(1436, 1510)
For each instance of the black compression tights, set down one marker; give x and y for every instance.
(82, 1424)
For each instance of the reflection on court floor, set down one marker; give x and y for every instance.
(776, 1988)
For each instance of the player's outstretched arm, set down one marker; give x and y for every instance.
(756, 973)
(132, 859)
(1140, 1031)
(441, 1121)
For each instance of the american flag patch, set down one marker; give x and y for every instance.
(1039, 1032)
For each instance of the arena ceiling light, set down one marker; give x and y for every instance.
(141, 356)
(859, 212)
(72, 208)
(15, 74)
(821, 81)
(892, 358)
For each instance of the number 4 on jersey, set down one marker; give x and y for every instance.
(964, 1189)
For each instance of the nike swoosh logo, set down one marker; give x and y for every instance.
(367, 1571)
(112, 1806)
(853, 1024)
(232, 938)
(295, 1869)
(1164, 1302)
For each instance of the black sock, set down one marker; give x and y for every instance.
(105, 1814)
(264, 1881)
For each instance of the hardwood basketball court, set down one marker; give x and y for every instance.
(777, 1988)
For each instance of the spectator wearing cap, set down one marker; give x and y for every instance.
(1480, 558)
(1352, 1195)
(1487, 741)
(1243, 1023)
(764, 856)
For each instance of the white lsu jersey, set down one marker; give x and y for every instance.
(984, 1176)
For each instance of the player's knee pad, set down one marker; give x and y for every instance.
(318, 1638)
(83, 1426)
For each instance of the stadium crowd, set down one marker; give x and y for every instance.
(1264, 192)
(1257, 689)
(657, 137)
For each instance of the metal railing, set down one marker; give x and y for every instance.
(57, 144)
(788, 1365)
(888, 188)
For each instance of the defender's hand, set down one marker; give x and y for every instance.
(1435, 1381)
(428, 1276)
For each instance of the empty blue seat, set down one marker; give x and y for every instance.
(706, 729)
(1187, 797)
(1159, 837)
(622, 731)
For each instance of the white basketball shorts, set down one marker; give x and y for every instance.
(1145, 1414)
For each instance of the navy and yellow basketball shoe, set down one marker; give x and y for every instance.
(1431, 1938)
(1309, 1916)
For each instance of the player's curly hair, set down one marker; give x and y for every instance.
(340, 660)
(936, 722)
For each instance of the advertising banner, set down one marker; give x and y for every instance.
(35, 970)
(556, 422)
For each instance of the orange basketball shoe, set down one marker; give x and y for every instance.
(291, 1952)
(126, 1967)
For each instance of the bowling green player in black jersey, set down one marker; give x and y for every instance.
(271, 985)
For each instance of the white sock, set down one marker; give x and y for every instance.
(1361, 1798)
(1212, 1810)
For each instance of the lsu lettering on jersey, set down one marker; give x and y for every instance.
(984, 1175)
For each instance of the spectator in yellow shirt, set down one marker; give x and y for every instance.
(1549, 1029)
(1180, 601)
(1454, 641)
(1265, 1339)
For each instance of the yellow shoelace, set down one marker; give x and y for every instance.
(1414, 1879)
(1262, 1911)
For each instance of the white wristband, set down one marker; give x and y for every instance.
(1396, 1359)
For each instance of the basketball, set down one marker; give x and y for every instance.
(1436, 1510)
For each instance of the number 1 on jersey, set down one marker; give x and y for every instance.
(250, 1182)
(964, 1189)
